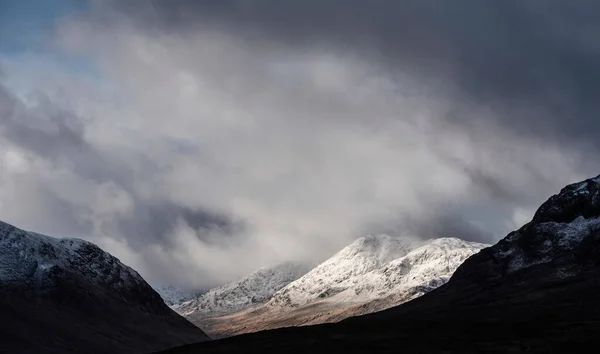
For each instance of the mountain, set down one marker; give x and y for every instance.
(374, 267)
(69, 296)
(535, 291)
(344, 270)
(252, 290)
(422, 270)
(373, 273)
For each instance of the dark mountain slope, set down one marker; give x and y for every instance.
(537, 290)
(69, 296)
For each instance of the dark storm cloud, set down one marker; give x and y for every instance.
(43, 129)
(536, 61)
(154, 223)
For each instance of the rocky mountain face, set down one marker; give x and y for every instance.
(69, 296)
(535, 291)
(371, 274)
(561, 241)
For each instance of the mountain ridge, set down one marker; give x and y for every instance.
(76, 297)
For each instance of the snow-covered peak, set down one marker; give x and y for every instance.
(362, 256)
(249, 291)
(376, 249)
(345, 269)
(420, 271)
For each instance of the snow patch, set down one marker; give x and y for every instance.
(582, 188)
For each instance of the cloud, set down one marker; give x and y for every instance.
(223, 136)
(507, 54)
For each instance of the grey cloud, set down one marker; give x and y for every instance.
(55, 137)
(535, 64)
(152, 224)
(536, 61)
(451, 224)
(443, 221)
(44, 129)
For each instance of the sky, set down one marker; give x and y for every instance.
(200, 140)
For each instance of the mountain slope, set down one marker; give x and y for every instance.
(535, 291)
(371, 274)
(68, 296)
(422, 270)
(249, 291)
(344, 270)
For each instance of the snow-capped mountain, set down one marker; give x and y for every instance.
(375, 267)
(249, 291)
(371, 274)
(78, 298)
(420, 271)
(346, 269)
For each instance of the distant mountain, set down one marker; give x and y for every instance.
(535, 291)
(173, 295)
(69, 296)
(252, 290)
(371, 274)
